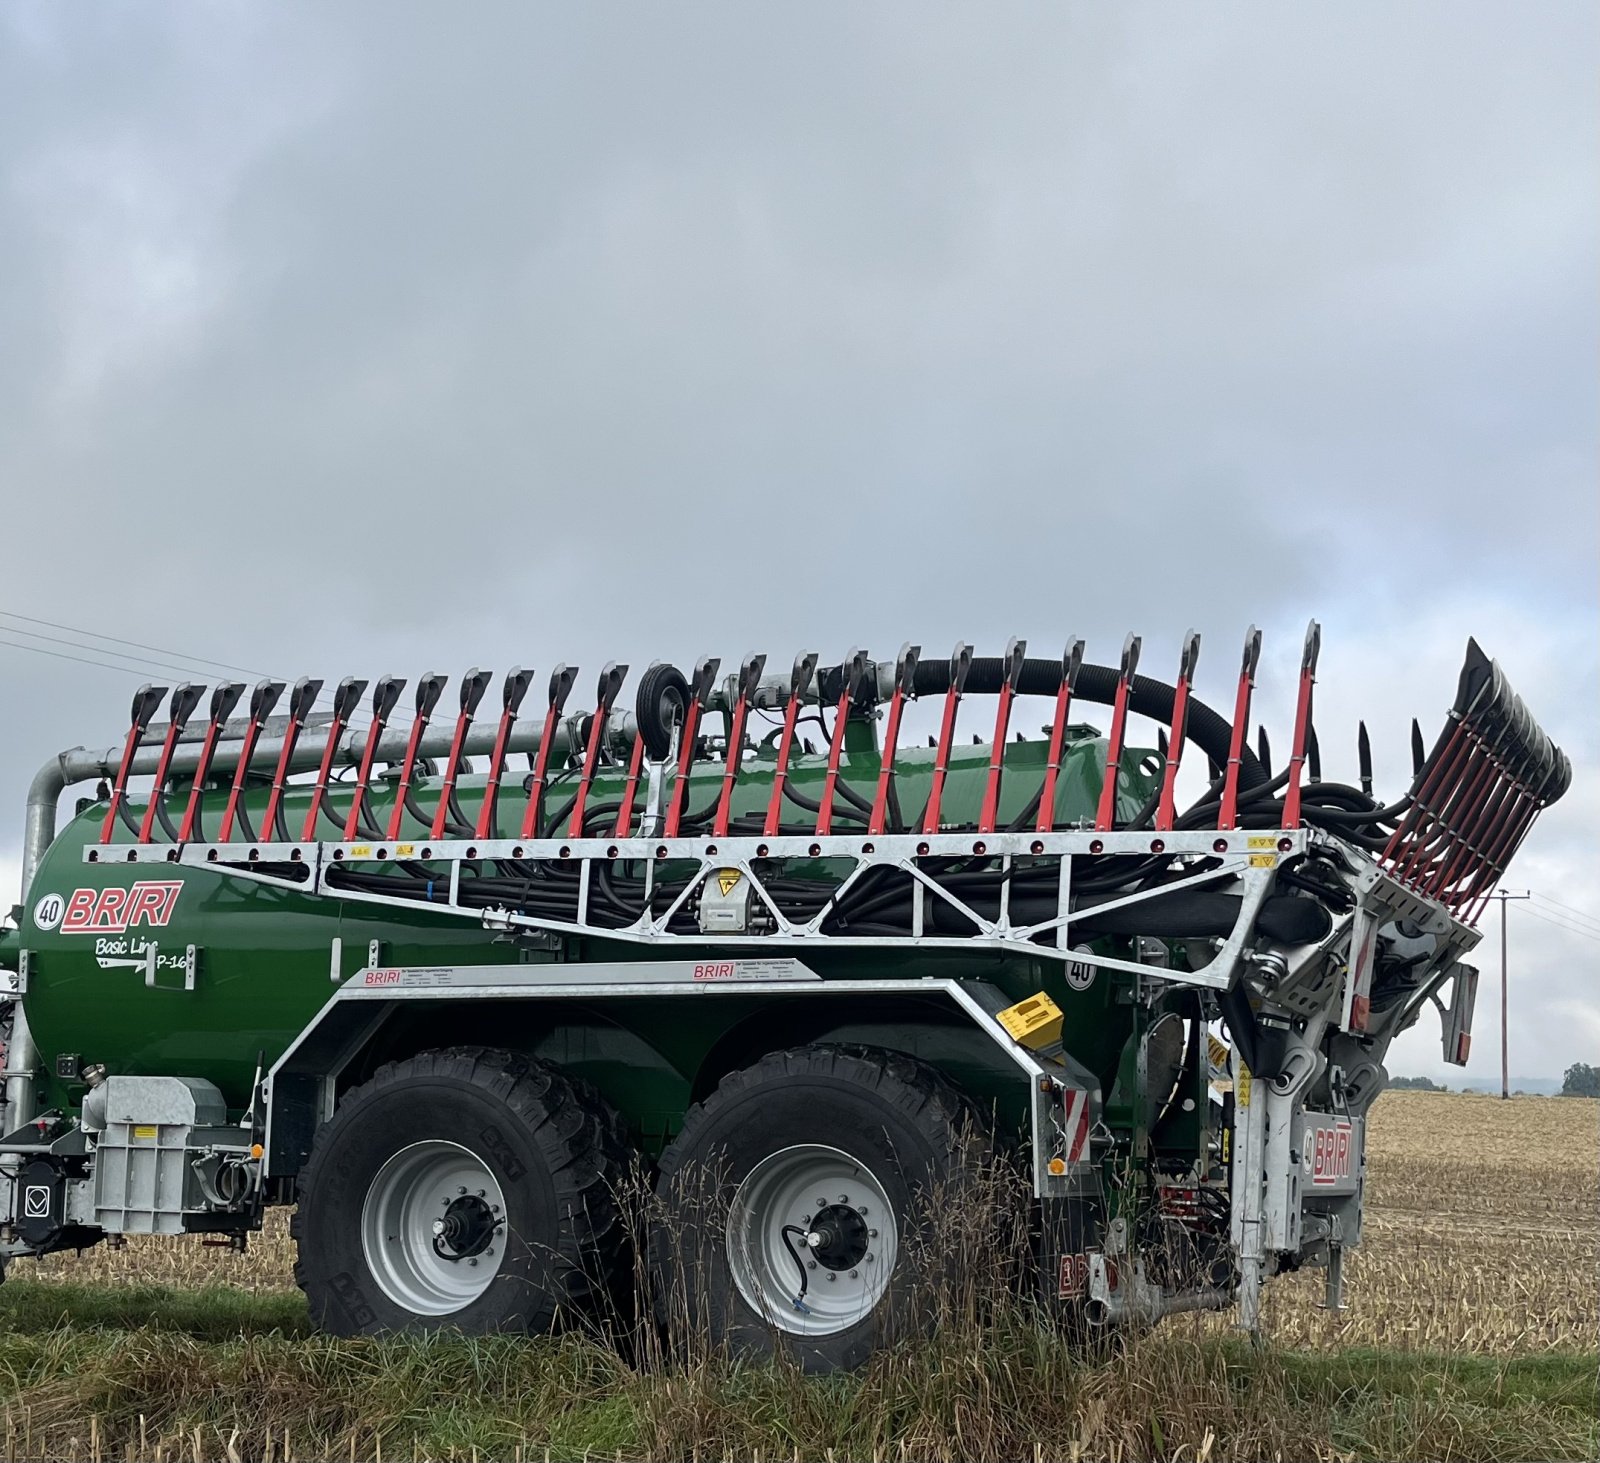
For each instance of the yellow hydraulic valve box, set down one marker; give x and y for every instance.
(1035, 1022)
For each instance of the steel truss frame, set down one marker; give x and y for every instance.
(1252, 859)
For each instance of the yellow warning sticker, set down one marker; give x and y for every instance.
(1257, 841)
(1241, 1086)
(1217, 1051)
(1263, 861)
(360, 850)
(404, 850)
(147, 1130)
(728, 881)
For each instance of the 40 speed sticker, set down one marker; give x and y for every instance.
(1080, 973)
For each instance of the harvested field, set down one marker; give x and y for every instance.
(1482, 1231)
(1483, 1235)
(1470, 1334)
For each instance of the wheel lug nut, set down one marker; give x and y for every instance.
(844, 1198)
(805, 1219)
(473, 1263)
(483, 1193)
(461, 1190)
(872, 1234)
(861, 1209)
(870, 1257)
(822, 1203)
(832, 1276)
(811, 1264)
(855, 1274)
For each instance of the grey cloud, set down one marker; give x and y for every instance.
(376, 337)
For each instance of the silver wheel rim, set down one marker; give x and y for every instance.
(433, 1228)
(822, 1205)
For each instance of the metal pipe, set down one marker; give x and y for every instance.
(78, 764)
(81, 765)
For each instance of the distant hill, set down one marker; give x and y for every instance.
(1545, 1086)
(1542, 1086)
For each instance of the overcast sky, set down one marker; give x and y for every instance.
(364, 338)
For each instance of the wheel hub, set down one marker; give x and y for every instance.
(465, 1230)
(433, 1226)
(812, 1240)
(838, 1237)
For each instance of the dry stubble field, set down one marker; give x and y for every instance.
(1470, 1334)
(1482, 1235)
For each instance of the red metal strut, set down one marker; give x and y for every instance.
(749, 679)
(705, 675)
(346, 697)
(1228, 815)
(630, 789)
(561, 679)
(611, 679)
(960, 664)
(473, 685)
(1302, 724)
(1016, 653)
(905, 675)
(384, 696)
(181, 708)
(223, 700)
(1166, 807)
(1071, 662)
(302, 698)
(429, 689)
(146, 701)
(805, 667)
(516, 687)
(262, 700)
(855, 667)
(1106, 817)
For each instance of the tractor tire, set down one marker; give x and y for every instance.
(835, 1163)
(467, 1188)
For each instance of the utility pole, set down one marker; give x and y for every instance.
(1505, 1062)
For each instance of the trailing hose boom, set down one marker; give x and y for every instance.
(1174, 1003)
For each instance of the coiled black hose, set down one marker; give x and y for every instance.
(1208, 730)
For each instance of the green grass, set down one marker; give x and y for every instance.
(136, 1371)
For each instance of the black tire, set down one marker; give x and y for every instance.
(555, 1148)
(662, 700)
(897, 1117)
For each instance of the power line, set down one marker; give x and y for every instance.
(1563, 925)
(62, 655)
(116, 640)
(160, 665)
(1579, 913)
(186, 672)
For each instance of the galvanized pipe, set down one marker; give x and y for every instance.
(78, 764)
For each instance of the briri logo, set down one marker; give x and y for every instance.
(115, 910)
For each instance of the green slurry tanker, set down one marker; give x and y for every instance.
(443, 980)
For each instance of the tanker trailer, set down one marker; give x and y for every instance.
(440, 982)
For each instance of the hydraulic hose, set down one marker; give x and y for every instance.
(1209, 731)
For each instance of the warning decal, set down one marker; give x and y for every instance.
(728, 881)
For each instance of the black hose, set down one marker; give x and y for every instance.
(1212, 733)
